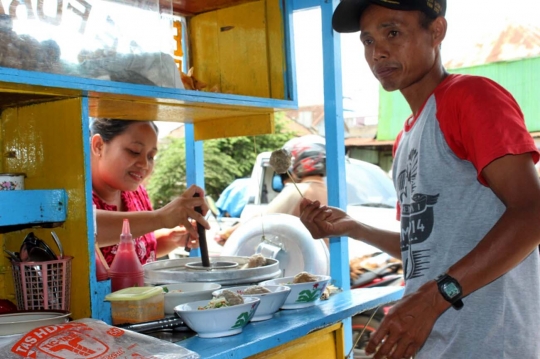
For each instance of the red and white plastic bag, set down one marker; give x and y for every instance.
(89, 339)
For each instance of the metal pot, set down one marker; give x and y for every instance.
(175, 270)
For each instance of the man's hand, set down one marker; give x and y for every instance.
(323, 221)
(408, 324)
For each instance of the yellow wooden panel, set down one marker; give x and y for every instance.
(195, 7)
(325, 343)
(155, 110)
(243, 49)
(47, 141)
(10, 87)
(236, 126)
(204, 44)
(276, 48)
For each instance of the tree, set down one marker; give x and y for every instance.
(225, 160)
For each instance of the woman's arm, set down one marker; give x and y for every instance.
(170, 239)
(179, 212)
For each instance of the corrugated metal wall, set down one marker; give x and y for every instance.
(521, 78)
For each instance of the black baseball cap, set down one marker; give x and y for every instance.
(346, 17)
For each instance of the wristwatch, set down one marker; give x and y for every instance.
(450, 290)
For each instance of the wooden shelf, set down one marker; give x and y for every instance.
(191, 7)
(45, 208)
(215, 115)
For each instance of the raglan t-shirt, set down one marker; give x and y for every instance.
(446, 208)
(134, 201)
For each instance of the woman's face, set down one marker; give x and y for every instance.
(128, 159)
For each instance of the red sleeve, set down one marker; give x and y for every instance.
(481, 121)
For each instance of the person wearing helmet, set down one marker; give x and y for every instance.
(308, 170)
(309, 167)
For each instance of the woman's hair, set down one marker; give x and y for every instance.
(109, 128)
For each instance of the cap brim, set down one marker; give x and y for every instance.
(346, 17)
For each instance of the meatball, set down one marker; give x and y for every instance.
(304, 277)
(256, 260)
(231, 297)
(256, 289)
(280, 160)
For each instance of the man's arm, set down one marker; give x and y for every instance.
(515, 181)
(515, 236)
(324, 221)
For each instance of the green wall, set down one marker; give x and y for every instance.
(521, 78)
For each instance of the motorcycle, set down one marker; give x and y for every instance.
(366, 323)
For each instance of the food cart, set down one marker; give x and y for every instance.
(63, 62)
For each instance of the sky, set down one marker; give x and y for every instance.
(469, 23)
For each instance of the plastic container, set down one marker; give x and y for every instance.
(11, 181)
(43, 285)
(137, 305)
(126, 269)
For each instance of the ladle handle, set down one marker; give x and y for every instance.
(202, 239)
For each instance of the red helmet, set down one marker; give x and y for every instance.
(309, 159)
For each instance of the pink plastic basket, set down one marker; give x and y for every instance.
(43, 285)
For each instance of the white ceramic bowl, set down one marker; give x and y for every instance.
(180, 293)
(219, 322)
(22, 322)
(302, 294)
(270, 302)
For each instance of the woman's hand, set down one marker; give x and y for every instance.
(179, 211)
(168, 239)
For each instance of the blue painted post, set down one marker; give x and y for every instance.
(335, 148)
(100, 309)
(194, 165)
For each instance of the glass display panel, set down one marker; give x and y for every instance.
(132, 42)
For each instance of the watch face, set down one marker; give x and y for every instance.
(451, 289)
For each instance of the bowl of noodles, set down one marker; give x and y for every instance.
(306, 289)
(272, 297)
(218, 317)
(180, 293)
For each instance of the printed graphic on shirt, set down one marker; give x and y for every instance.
(416, 218)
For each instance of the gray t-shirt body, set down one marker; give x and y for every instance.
(445, 211)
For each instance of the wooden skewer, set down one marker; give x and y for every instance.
(294, 182)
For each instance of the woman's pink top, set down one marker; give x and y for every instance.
(134, 201)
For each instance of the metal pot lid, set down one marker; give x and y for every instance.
(175, 270)
(286, 239)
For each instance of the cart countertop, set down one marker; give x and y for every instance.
(288, 325)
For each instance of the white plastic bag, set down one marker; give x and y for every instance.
(88, 338)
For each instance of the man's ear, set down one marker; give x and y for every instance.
(438, 30)
(96, 145)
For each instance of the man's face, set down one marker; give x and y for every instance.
(399, 51)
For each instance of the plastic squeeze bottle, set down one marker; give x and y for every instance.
(126, 269)
(102, 269)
